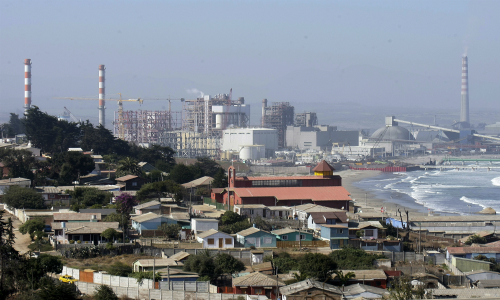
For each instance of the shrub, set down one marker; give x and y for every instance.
(71, 241)
(78, 242)
(105, 292)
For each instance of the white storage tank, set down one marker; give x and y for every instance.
(218, 121)
(252, 152)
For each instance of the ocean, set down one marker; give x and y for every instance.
(448, 192)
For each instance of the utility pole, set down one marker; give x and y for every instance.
(300, 240)
(277, 284)
(420, 237)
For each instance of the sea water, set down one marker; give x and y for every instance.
(447, 192)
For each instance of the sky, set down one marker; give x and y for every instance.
(323, 56)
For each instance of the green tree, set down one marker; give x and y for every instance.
(120, 269)
(19, 197)
(349, 258)
(235, 227)
(181, 174)
(9, 258)
(360, 233)
(227, 264)
(475, 239)
(401, 289)
(68, 166)
(84, 196)
(170, 230)
(128, 166)
(344, 278)
(203, 264)
(120, 218)
(31, 226)
(52, 290)
(204, 166)
(14, 127)
(230, 217)
(284, 262)
(389, 229)
(317, 265)
(110, 234)
(20, 163)
(105, 292)
(262, 224)
(160, 189)
(220, 179)
(144, 275)
(50, 264)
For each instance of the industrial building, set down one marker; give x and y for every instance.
(323, 188)
(320, 137)
(250, 143)
(307, 119)
(278, 116)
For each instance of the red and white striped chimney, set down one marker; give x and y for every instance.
(27, 85)
(102, 115)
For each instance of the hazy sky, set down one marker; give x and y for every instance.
(314, 54)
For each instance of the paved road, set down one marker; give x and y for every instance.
(21, 240)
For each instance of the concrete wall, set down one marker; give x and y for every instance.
(469, 265)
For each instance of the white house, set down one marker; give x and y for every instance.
(280, 212)
(215, 239)
(316, 219)
(251, 210)
(370, 229)
(204, 224)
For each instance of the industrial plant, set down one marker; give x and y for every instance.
(219, 127)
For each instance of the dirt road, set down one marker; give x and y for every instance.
(21, 240)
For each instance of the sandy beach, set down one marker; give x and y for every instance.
(367, 200)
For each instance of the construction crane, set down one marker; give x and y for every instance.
(71, 115)
(121, 125)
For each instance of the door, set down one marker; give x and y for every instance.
(221, 243)
(257, 242)
(264, 213)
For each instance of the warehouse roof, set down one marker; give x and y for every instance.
(316, 193)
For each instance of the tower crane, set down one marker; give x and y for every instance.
(71, 115)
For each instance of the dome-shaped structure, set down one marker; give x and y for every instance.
(393, 133)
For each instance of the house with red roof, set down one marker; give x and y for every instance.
(322, 188)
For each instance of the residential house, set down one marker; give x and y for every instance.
(202, 183)
(217, 194)
(337, 235)
(455, 227)
(251, 210)
(257, 284)
(377, 245)
(310, 289)
(151, 206)
(179, 256)
(5, 183)
(474, 276)
(375, 278)
(370, 229)
(361, 291)
(280, 212)
(469, 265)
(316, 219)
(103, 211)
(201, 225)
(77, 217)
(264, 268)
(206, 211)
(150, 221)
(52, 195)
(289, 234)
(471, 252)
(146, 265)
(256, 237)
(4, 171)
(86, 232)
(215, 239)
(130, 182)
(146, 167)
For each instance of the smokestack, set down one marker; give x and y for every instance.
(264, 105)
(27, 85)
(464, 111)
(102, 115)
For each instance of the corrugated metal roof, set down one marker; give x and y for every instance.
(206, 233)
(205, 180)
(179, 256)
(250, 206)
(321, 217)
(145, 217)
(315, 193)
(76, 216)
(147, 204)
(163, 262)
(284, 231)
(249, 231)
(468, 250)
(281, 178)
(87, 227)
(257, 279)
(308, 284)
(360, 288)
(126, 177)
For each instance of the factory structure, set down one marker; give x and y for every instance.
(219, 127)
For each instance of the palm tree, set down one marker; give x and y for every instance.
(344, 278)
(129, 166)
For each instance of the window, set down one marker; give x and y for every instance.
(134, 183)
(211, 241)
(251, 211)
(369, 232)
(250, 241)
(340, 230)
(284, 237)
(229, 241)
(268, 240)
(258, 291)
(52, 196)
(302, 236)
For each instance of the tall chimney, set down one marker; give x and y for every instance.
(27, 85)
(264, 105)
(464, 110)
(102, 115)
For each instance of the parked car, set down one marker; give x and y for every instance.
(68, 279)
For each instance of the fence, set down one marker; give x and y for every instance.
(297, 244)
(221, 206)
(188, 286)
(111, 280)
(150, 294)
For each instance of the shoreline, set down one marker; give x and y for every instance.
(371, 203)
